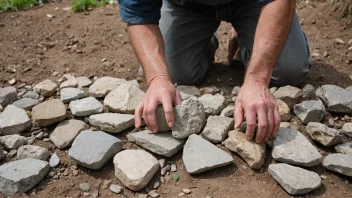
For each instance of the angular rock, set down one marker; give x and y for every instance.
(112, 122)
(290, 95)
(161, 119)
(291, 147)
(323, 134)
(253, 153)
(228, 111)
(160, 143)
(133, 82)
(10, 142)
(26, 103)
(189, 90)
(49, 112)
(236, 90)
(22, 175)
(340, 163)
(209, 90)
(345, 148)
(295, 180)
(284, 110)
(308, 92)
(66, 131)
(102, 86)
(200, 155)
(347, 129)
(7, 95)
(70, 83)
(31, 151)
(310, 111)
(54, 160)
(213, 104)
(83, 81)
(14, 120)
(31, 94)
(46, 88)
(70, 94)
(85, 107)
(92, 149)
(336, 99)
(217, 128)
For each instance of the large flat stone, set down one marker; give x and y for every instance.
(340, 163)
(83, 81)
(7, 95)
(323, 134)
(70, 94)
(85, 107)
(102, 86)
(26, 103)
(10, 142)
(217, 128)
(284, 110)
(66, 131)
(32, 151)
(49, 112)
(290, 95)
(14, 120)
(46, 88)
(345, 148)
(189, 90)
(112, 122)
(310, 111)
(213, 104)
(336, 98)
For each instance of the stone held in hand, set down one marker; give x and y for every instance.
(310, 111)
(161, 119)
(323, 134)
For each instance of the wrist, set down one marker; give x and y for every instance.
(158, 77)
(262, 80)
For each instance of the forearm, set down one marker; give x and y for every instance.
(271, 33)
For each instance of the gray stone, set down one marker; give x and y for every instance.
(86, 107)
(160, 143)
(209, 90)
(161, 119)
(66, 131)
(336, 99)
(213, 104)
(49, 112)
(323, 134)
(189, 118)
(349, 88)
(217, 128)
(70, 83)
(200, 155)
(228, 111)
(308, 92)
(340, 163)
(295, 180)
(11, 154)
(70, 94)
(173, 168)
(14, 120)
(310, 111)
(284, 110)
(7, 95)
(347, 129)
(189, 90)
(112, 122)
(133, 82)
(290, 95)
(84, 187)
(54, 161)
(31, 94)
(345, 148)
(22, 175)
(116, 188)
(291, 147)
(31, 151)
(236, 90)
(26, 103)
(92, 149)
(46, 88)
(102, 86)
(153, 194)
(9, 142)
(135, 168)
(83, 81)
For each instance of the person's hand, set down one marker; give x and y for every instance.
(160, 91)
(256, 101)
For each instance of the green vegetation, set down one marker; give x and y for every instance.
(18, 4)
(83, 5)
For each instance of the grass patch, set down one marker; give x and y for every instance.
(17, 4)
(83, 5)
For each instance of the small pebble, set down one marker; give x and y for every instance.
(162, 163)
(153, 194)
(85, 187)
(323, 177)
(186, 191)
(75, 172)
(156, 185)
(115, 188)
(181, 194)
(173, 168)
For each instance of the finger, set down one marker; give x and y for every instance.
(238, 115)
(178, 98)
(277, 121)
(138, 115)
(168, 110)
(262, 125)
(251, 122)
(151, 109)
(271, 123)
(145, 116)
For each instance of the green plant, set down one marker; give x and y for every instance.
(17, 4)
(83, 5)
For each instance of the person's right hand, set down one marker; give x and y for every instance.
(160, 91)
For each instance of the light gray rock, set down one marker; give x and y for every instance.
(310, 111)
(49, 112)
(160, 143)
(135, 168)
(31, 151)
(209, 90)
(349, 88)
(115, 188)
(70, 83)
(345, 148)
(189, 90)
(92, 149)
(26, 103)
(236, 90)
(308, 92)
(284, 110)
(54, 160)
(11, 153)
(336, 99)
(22, 175)
(70, 94)
(83, 81)
(66, 131)
(199, 155)
(340, 163)
(9, 142)
(290, 95)
(189, 118)
(85, 107)
(7, 95)
(14, 120)
(31, 94)
(217, 128)
(323, 134)
(133, 82)
(102, 86)
(46, 88)
(291, 147)
(112, 122)
(213, 104)
(347, 129)
(161, 119)
(295, 180)
(228, 111)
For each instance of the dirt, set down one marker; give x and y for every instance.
(33, 46)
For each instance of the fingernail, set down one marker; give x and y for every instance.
(170, 124)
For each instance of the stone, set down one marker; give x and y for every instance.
(161, 120)
(308, 92)
(284, 110)
(102, 86)
(181, 194)
(85, 107)
(31, 151)
(83, 82)
(49, 112)
(291, 147)
(199, 155)
(20, 176)
(295, 180)
(54, 161)
(209, 90)
(186, 191)
(173, 168)
(160, 143)
(39, 136)
(135, 168)
(236, 90)
(85, 187)
(340, 163)
(273, 90)
(336, 99)
(217, 128)
(347, 129)
(66, 131)
(31, 94)
(112, 122)
(133, 82)
(345, 148)
(14, 120)
(116, 188)
(189, 90)
(70, 83)
(156, 185)
(7, 95)
(253, 153)
(290, 95)
(349, 88)
(92, 149)
(11, 154)
(153, 194)
(323, 134)
(124, 99)
(228, 111)
(69, 94)
(213, 104)
(26, 103)
(46, 88)
(166, 169)
(310, 111)
(189, 118)
(9, 142)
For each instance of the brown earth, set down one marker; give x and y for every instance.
(33, 46)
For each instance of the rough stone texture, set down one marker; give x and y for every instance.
(70, 94)
(13, 120)
(349, 88)
(189, 90)
(7, 95)
(104, 85)
(253, 153)
(200, 155)
(46, 88)
(284, 110)
(228, 111)
(347, 129)
(323, 134)
(70, 83)
(189, 118)
(291, 147)
(135, 168)
(213, 104)
(66, 131)
(217, 128)
(310, 111)
(54, 160)
(161, 120)
(209, 90)
(26, 103)
(133, 82)
(340, 163)
(295, 180)
(49, 112)
(345, 148)
(112, 122)
(22, 175)
(308, 92)
(31, 151)
(124, 99)
(160, 143)
(83, 81)
(336, 99)
(92, 149)
(290, 95)
(85, 107)
(31, 94)
(9, 142)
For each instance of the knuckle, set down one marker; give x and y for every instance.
(250, 125)
(262, 125)
(150, 111)
(168, 111)
(252, 107)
